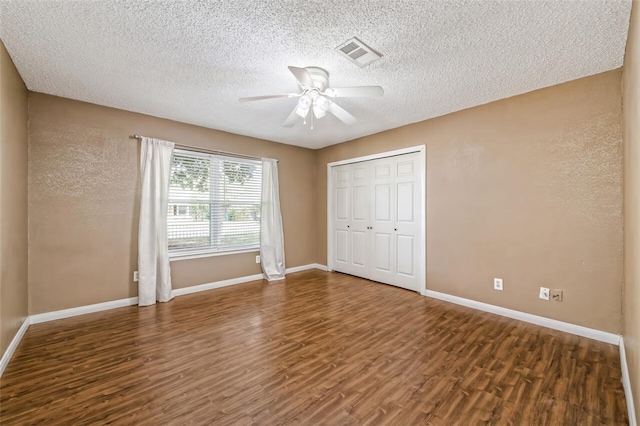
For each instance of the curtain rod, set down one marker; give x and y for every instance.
(205, 150)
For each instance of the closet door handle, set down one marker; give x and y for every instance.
(395, 229)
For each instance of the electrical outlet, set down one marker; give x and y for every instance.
(544, 293)
(135, 276)
(497, 284)
(556, 295)
(258, 259)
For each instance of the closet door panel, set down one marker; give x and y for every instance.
(405, 245)
(341, 247)
(358, 220)
(342, 204)
(341, 214)
(382, 223)
(359, 247)
(382, 249)
(405, 202)
(408, 213)
(359, 203)
(383, 202)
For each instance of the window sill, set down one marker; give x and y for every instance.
(187, 256)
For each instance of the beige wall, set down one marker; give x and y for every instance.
(83, 177)
(528, 189)
(631, 119)
(13, 200)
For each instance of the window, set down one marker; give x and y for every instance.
(214, 203)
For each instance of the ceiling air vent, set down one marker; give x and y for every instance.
(358, 52)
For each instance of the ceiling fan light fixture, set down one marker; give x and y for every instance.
(302, 112)
(319, 112)
(322, 103)
(304, 102)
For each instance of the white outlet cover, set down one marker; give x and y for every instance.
(544, 293)
(497, 284)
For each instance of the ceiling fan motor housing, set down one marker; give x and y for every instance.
(319, 76)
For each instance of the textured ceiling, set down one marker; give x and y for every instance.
(191, 60)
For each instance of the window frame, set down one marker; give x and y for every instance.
(210, 251)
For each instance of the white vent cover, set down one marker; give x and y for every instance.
(358, 52)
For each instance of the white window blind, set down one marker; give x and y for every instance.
(214, 203)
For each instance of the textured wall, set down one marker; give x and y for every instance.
(13, 200)
(83, 177)
(631, 119)
(528, 189)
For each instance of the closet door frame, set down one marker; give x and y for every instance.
(422, 149)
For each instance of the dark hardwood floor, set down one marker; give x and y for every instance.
(317, 348)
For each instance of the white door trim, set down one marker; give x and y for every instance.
(422, 288)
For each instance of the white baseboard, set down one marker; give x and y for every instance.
(217, 284)
(319, 266)
(626, 384)
(579, 330)
(307, 267)
(6, 357)
(81, 310)
(233, 281)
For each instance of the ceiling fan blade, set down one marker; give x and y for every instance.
(291, 120)
(259, 98)
(302, 75)
(342, 114)
(355, 92)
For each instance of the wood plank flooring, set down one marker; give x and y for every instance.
(317, 348)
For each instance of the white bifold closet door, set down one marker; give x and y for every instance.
(377, 210)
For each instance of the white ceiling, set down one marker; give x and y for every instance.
(191, 60)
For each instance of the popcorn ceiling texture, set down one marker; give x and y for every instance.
(191, 61)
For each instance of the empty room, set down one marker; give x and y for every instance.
(320, 213)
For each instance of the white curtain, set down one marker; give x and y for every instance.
(271, 236)
(154, 273)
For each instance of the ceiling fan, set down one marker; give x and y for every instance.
(316, 96)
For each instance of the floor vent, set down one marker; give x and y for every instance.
(358, 52)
